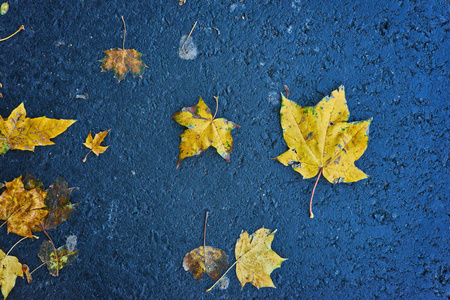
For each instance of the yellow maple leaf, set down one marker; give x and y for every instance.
(22, 133)
(203, 131)
(22, 209)
(207, 260)
(94, 143)
(320, 139)
(122, 61)
(255, 259)
(10, 268)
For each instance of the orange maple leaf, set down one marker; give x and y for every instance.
(22, 209)
(122, 61)
(94, 143)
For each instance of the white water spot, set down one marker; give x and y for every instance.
(274, 97)
(71, 242)
(224, 283)
(187, 50)
(289, 30)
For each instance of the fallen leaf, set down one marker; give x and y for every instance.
(57, 204)
(4, 8)
(195, 262)
(22, 133)
(26, 270)
(21, 208)
(10, 268)
(54, 263)
(203, 131)
(320, 139)
(94, 143)
(255, 258)
(122, 61)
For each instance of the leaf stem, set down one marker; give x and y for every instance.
(217, 105)
(37, 268)
(8, 37)
(84, 160)
(54, 249)
(15, 245)
(222, 276)
(124, 32)
(189, 34)
(191, 31)
(6, 255)
(311, 215)
(204, 237)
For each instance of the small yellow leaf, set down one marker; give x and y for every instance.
(25, 133)
(94, 143)
(21, 208)
(255, 258)
(203, 131)
(10, 268)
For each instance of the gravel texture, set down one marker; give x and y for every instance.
(386, 237)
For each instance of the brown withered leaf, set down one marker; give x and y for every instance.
(21, 208)
(209, 260)
(56, 261)
(58, 204)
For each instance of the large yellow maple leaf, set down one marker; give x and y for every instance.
(203, 131)
(320, 139)
(22, 133)
(10, 268)
(22, 209)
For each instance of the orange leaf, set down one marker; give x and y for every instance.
(21, 208)
(123, 61)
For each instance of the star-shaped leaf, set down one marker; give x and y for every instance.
(203, 131)
(10, 268)
(255, 258)
(123, 61)
(22, 133)
(195, 262)
(94, 143)
(320, 139)
(21, 208)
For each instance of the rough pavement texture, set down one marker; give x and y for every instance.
(385, 237)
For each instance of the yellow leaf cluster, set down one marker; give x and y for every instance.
(22, 133)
